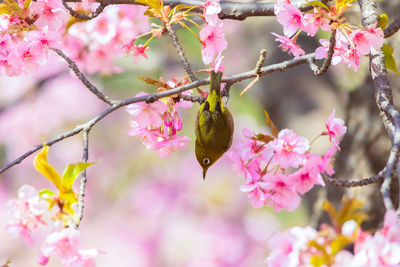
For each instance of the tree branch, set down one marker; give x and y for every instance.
(341, 183)
(82, 187)
(229, 9)
(181, 54)
(84, 80)
(383, 96)
(153, 97)
(392, 28)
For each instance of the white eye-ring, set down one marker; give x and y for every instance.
(206, 161)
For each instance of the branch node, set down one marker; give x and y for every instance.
(328, 60)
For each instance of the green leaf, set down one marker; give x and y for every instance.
(317, 3)
(340, 242)
(27, 3)
(390, 62)
(71, 172)
(383, 21)
(48, 171)
(156, 4)
(45, 193)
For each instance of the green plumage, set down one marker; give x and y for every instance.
(214, 126)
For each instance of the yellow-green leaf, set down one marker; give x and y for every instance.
(69, 198)
(318, 261)
(71, 172)
(48, 171)
(330, 209)
(156, 4)
(383, 21)
(27, 3)
(10, 7)
(45, 193)
(340, 242)
(350, 210)
(269, 122)
(317, 3)
(390, 62)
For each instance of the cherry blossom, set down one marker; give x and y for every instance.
(211, 10)
(290, 248)
(290, 17)
(67, 246)
(309, 175)
(27, 213)
(213, 42)
(335, 128)
(289, 149)
(289, 45)
(139, 51)
(147, 114)
(157, 124)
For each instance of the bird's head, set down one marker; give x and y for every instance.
(206, 158)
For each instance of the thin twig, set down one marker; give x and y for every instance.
(392, 28)
(84, 80)
(257, 70)
(229, 9)
(82, 186)
(328, 60)
(341, 183)
(151, 98)
(81, 16)
(181, 54)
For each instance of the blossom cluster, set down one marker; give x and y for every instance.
(28, 212)
(28, 29)
(96, 43)
(351, 42)
(308, 247)
(157, 123)
(280, 167)
(211, 36)
(33, 208)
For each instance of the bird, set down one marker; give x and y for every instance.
(214, 126)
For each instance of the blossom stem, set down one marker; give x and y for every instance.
(194, 23)
(185, 26)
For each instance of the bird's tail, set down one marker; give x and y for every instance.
(216, 82)
(214, 96)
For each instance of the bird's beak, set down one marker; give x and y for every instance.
(204, 173)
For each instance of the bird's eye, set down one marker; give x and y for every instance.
(206, 161)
